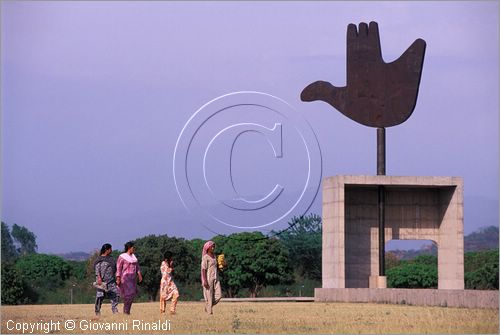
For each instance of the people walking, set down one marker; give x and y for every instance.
(105, 269)
(128, 273)
(168, 289)
(209, 277)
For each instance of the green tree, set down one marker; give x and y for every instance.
(481, 270)
(303, 242)
(412, 276)
(78, 269)
(420, 272)
(43, 272)
(9, 252)
(13, 287)
(36, 276)
(196, 249)
(254, 262)
(89, 265)
(425, 259)
(484, 278)
(150, 250)
(24, 239)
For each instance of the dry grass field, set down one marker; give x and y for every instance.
(253, 317)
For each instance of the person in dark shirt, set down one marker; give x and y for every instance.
(105, 269)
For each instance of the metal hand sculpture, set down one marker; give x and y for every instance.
(377, 94)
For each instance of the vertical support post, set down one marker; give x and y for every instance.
(381, 200)
(381, 231)
(381, 151)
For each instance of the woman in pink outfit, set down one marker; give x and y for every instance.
(127, 273)
(210, 277)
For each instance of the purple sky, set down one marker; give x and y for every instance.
(95, 94)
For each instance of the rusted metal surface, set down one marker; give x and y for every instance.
(377, 94)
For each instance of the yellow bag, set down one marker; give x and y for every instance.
(221, 262)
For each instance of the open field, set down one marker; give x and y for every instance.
(255, 317)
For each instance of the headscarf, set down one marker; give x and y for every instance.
(207, 246)
(129, 258)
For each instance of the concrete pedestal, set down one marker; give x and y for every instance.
(427, 208)
(418, 297)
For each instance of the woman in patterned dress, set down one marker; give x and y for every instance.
(168, 290)
(127, 273)
(105, 270)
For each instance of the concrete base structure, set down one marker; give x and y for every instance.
(378, 282)
(418, 297)
(425, 208)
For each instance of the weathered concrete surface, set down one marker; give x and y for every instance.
(427, 208)
(419, 297)
(268, 299)
(377, 282)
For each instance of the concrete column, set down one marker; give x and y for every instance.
(451, 242)
(333, 255)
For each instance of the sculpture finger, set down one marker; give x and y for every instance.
(374, 39)
(363, 30)
(366, 40)
(352, 32)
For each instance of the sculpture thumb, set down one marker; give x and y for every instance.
(414, 55)
(324, 91)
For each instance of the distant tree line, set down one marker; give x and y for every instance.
(256, 263)
(480, 271)
(27, 276)
(286, 263)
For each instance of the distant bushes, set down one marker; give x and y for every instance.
(41, 278)
(288, 264)
(480, 271)
(420, 272)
